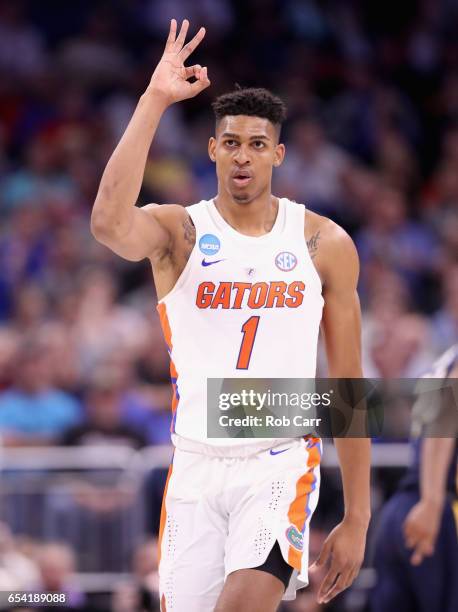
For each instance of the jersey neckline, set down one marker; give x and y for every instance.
(222, 224)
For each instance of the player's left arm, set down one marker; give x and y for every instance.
(422, 524)
(337, 262)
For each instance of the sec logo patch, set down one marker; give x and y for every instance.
(286, 261)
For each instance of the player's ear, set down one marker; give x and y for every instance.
(279, 154)
(212, 149)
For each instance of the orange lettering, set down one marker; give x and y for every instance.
(222, 296)
(258, 295)
(241, 288)
(204, 294)
(295, 290)
(276, 295)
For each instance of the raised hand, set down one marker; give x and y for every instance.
(170, 79)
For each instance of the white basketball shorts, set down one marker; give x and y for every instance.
(223, 514)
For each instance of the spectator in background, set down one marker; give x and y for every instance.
(170, 179)
(395, 160)
(144, 407)
(60, 345)
(22, 49)
(30, 308)
(23, 252)
(9, 342)
(33, 411)
(406, 246)
(153, 366)
(94, 56)
(57, 566)
(104, 326)
(441, 193)
(67, 255)
(396, 340)
(416, 544)
(314, 169)
(40, 177)
(17, 571)
(104, 424)
(445, 320)
(448, 231)
(141, 592)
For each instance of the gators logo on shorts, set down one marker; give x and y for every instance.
(295, 537)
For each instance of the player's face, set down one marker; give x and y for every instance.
(245, 150)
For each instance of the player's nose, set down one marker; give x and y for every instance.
(242, 156)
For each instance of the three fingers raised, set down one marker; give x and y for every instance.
(175, 44)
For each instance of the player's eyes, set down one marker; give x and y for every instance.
(259, 144)
(230, 143)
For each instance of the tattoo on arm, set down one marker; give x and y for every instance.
(189, 232)
(312, 244)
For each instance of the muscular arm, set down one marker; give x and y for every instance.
(336, 260)
(131, 232)
(341, 325)
(135, 233)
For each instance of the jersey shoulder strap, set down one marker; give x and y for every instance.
(200, 216)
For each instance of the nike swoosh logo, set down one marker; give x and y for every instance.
(210, 263)
(272, 452)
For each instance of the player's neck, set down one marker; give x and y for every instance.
(253, 218)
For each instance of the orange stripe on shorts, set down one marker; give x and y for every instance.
(163, 512)
(297, 513)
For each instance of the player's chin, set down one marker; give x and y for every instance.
(242, 198)
(242, 194)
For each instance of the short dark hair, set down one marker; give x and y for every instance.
(251, 101)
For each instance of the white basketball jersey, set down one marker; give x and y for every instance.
(243, 306)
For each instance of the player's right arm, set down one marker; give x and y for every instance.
(131, 232)
(422, 524)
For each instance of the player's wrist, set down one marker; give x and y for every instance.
(357, 518)
(435, 503)
(157, 97)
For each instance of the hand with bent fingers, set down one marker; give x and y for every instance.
(344, 547)
(170, 79)
(420, 528)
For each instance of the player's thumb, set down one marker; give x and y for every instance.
(322, 557)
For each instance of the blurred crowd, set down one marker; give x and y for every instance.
(34, 566)
(372, 142)
(38, 567)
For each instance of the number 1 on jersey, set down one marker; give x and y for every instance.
(249, 329)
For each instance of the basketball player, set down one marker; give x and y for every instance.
(416, 549)
(243, 282)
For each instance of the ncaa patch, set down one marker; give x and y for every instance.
(295, 537)
(286, 261)
(209, 244)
